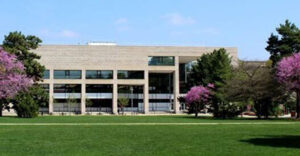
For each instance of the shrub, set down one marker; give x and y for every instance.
(25, 105)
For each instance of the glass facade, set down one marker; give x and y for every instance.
(67, 88)
(125, 74)
(46, 74)
(161, 61)
(99, 88)
(160, 83)
(136, 98)
(99, 74)
(67, 74)
(102, 100)
(184, 76)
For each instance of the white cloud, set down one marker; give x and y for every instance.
(68, 34)
(210, 31)
(178, 19)
(122, 24)
(54, 34)
(121, 21)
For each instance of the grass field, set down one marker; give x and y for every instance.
(223, 137)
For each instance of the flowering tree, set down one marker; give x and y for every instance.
(12, 77)
(198, 97)
(288, 73)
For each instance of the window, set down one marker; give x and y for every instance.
(46, 74)
(99, 74)
(125, 74)
(161, 60)
(99, 88)
(67, 74)
(67, 88)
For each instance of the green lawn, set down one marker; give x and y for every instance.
(230, 139)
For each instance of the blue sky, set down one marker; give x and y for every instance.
(245, 24)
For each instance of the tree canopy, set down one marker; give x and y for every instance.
(288, 73)
(254, 82)
(20, 45)
(213, 68)
(285, 43)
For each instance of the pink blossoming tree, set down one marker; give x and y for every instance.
(288, 74)
(12, 77)
(198, 97)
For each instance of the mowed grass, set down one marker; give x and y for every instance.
(230, 139)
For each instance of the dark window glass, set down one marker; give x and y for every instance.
(160, 83)
(99, 74)
(46, 74)
(98, 88)
(124, 74)
(161, 60)
(67, 74)
(67, 88)
(126, 89)
(98, 103)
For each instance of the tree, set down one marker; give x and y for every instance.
(288, 74)
(12, 78)
(254, 81)
(25, 105)
(284, 44)
(198, 97)
(20, 45)
(123, 102)
(213, 68)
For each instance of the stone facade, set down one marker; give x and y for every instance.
(95, 57)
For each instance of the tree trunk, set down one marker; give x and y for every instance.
(257, 103)
(298, 105)
(196, 110)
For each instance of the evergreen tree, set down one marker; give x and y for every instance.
(20, 45)
(213, 68)
(285, 43)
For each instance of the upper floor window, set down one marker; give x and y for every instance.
(67, 74)
(46, 74)
(161, 61)
(99, 74)
(125, 74)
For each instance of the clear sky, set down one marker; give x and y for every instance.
(245, 24)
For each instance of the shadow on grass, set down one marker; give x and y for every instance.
(276, 141)
(236, 118)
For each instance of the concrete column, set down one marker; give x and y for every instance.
(146, 92)
(176, 85)
(115, 93)
(83, 98)
(82, 106)
(51, 98)
(51, 90)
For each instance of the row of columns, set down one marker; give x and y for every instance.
(115, 91)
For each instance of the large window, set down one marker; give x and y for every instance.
(99, 88)
(161, 60)
(99, 74)
(67, 88)
(125, 74)
(46, 74)
(160, 83)
(67, 74)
